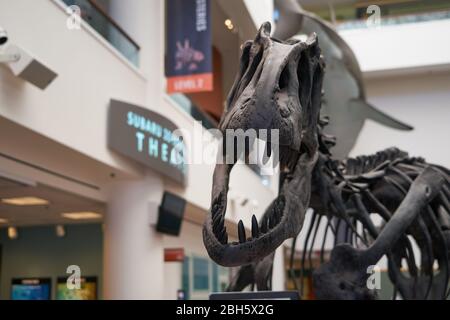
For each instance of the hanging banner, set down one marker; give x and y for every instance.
(188, 46)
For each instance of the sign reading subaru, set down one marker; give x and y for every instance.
(147, 137)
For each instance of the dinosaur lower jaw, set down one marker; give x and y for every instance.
(265, 237)
(263, 240)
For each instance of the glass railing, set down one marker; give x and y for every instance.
(101, 22)
(388, 21)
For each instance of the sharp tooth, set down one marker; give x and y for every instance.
(272, 222)
(255, 228)
(241, 231)
(218, 224)
(215, 209)
(269, 223)
(216, 206)
(268, 149)
(223, 237)
(277, 215)
(219, 218)
(216, 217)
(263, 226)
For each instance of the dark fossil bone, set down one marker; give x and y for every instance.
(345, 275)
(279, 86)
(275, 83)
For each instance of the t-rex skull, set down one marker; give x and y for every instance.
(278, 87)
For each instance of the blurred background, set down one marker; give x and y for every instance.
(82, 80)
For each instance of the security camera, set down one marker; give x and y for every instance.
(27, 67)
(3, 36)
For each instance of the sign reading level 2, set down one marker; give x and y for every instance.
(189, 46)
(148, 138)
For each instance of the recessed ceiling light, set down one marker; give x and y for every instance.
(25, 201)
(81, 215)
(13, 233)
(2, 221)
(60, 231)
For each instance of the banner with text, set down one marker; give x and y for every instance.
(188, 46)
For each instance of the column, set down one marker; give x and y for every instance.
(133, 251)
(279, 271)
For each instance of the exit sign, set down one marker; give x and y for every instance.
(174, 255)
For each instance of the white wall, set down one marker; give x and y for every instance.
(72, 111)
(403, 46)
(260, 10)
(134, 17)
(423, 101)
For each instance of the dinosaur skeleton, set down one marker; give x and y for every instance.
(279, 86)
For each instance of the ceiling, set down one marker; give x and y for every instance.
(59, 202)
